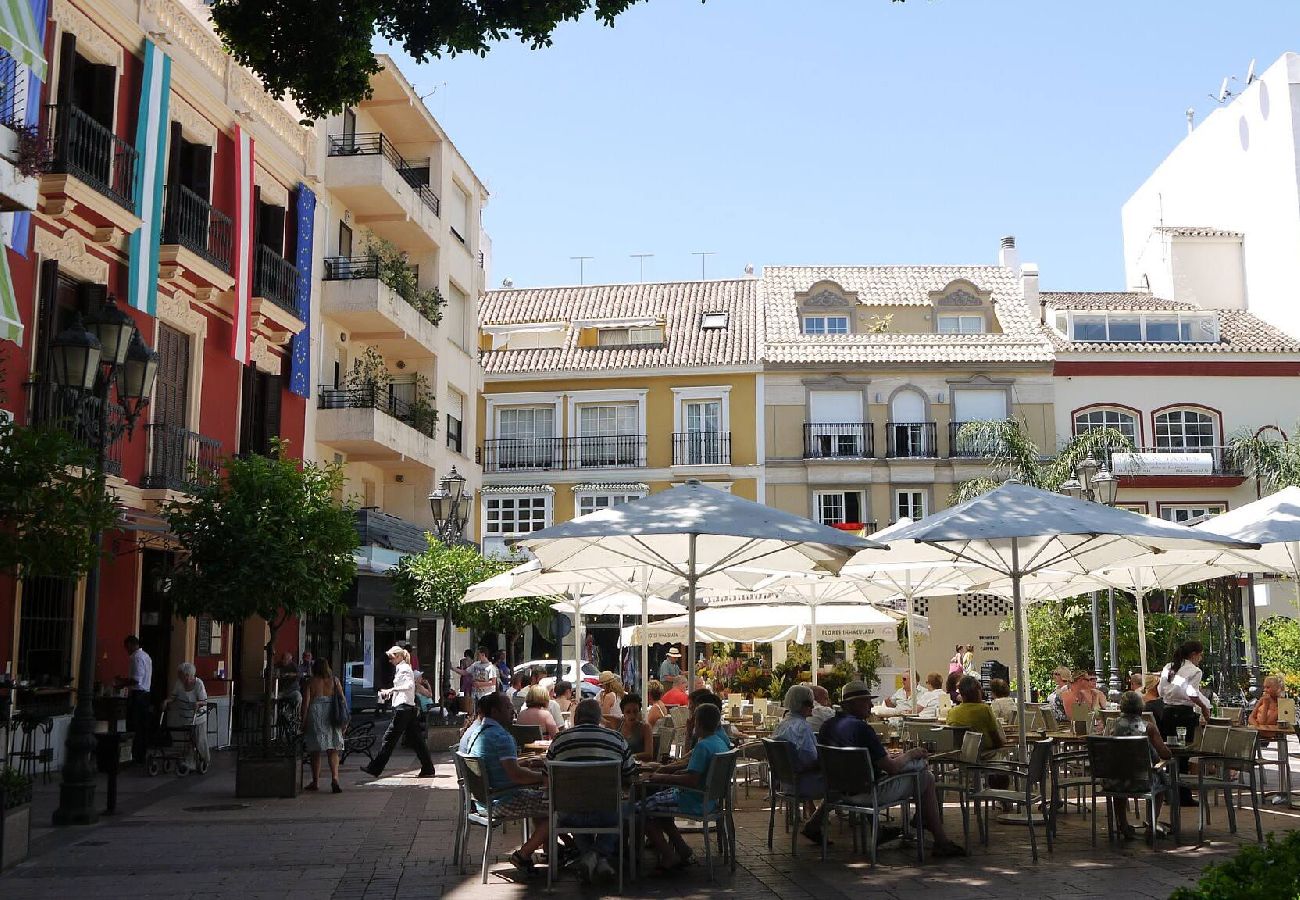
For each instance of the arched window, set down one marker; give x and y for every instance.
(1186, 429)
(1121, 420)
(910, 434)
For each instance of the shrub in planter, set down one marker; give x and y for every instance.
(1258, 872)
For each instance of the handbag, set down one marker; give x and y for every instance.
(341, 712)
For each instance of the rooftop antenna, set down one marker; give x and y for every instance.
(582, 267)
(507, 282)
(642, 257)
(703, 255)
(1191, 118)
(430, 93)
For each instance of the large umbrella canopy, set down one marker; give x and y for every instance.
(769, 622)
(692, 532)
(1273, 522)
(1015, 532)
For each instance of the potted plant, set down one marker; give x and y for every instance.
(266, 541)
(15, 816)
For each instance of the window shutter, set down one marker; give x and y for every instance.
(67, 63)
(456, 405)
(270, 410)
(247, 410)
(46, 312)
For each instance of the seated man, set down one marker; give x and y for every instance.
(677, 695)
(850, 729)
(1264, 715)
(822, 709)
(901, 699)
(929, 701)
(796, 731)
(973, 714)
(589, 741)
(685, 796)
(489, 741)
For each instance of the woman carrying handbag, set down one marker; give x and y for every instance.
(324, 716)
(405, 717)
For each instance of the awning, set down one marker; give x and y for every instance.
(19, 36)
(11, 327)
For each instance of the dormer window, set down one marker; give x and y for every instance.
(961, 324)
(821, 324)
(1139, 327)
(638, 336)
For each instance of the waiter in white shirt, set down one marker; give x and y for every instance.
(1180, 688)
(138, 685)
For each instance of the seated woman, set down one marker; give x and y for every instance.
(972, 713)
(1003, 705)
(927, 704)
(635, 730)
(1130, 724)
(654, 692)
(796, 730)
(536, 711)
(182, 704)
(950, 687)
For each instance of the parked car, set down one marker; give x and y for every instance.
(588, 687)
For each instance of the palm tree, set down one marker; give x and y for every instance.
(1012, 453)
(1272, 458)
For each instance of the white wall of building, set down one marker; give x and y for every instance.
(1236, 171)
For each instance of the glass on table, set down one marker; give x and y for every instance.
(1181, 731)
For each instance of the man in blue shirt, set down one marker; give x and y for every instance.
(488, 740)
(894, 774)
(687, 798)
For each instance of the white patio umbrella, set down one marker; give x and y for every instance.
(1015, 532)
(692, 532)
(1273, 523)
(766, 623)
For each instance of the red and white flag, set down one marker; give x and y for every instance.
(241, 345)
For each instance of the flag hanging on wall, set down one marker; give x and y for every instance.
(21, 232)
(241, 345)
(150, 166)
(300, 357)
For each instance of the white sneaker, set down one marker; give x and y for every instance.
(604, 869)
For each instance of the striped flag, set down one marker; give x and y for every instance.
(150, 166)
(241, 345)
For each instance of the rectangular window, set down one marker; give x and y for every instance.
(453, 433)
(1124, 328)
(525, 438)
(621, 337)
(1089, 328)
(458, 215)
(589, 503)
(825, 324)
(455, 417)
(1184, 513)
(608, 435)
(713, 321)
(507, 515)
(961, 324)
(838, 507)
(909, 505)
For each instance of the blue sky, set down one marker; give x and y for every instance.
(858, 131)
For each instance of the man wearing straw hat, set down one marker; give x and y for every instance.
(670, 668)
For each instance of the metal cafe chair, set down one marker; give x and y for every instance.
(524, 734)
(853, 787)
(717, 806)
(783, 789)
(1028, 789)
(1233, 770)
(1121, 769)
(952, 775)
(584, 788)
(479, 808)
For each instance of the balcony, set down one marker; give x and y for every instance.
(702, 448)
(181, 460)
(969, 447)
(838, 440)
(17, 191)
(354, 295)
(78, 415)
(370, 425)
(275, 278)
(386, 192)
(911, 440)
(85, 150)
(619, 451)
(192, 223)
(374, 397)
(1165, 465)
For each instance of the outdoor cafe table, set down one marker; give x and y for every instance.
(1282, 735)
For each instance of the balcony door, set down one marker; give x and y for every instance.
(835, 424)
(909, 430)
(526, 438)
(607, 435)
(171, 406)
(259, 411)
(703, 420)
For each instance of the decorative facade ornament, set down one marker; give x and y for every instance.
(264, 357)
(175, 309)
(825, 299)
(959, 298)
(70, 250)
(92, 41)
(193, 124)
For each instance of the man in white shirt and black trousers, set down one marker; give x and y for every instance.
(139, 714)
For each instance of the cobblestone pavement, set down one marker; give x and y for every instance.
(190, 838)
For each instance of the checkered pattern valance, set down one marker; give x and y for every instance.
(970, 605)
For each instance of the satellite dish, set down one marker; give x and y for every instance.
(1224, 93)
(1250, 73)
(507, 282)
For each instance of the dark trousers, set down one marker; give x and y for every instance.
(139, 721)
(404, 724)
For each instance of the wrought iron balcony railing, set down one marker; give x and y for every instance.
(911, 440)
(88, 151)
(702, 448)
(376, 144)
(275, 278)
(192, 223)
(181, 460)
(372, 396)
(838, 440)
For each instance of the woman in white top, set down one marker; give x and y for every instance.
(1180, 688)
(405, 717)
(611, 695)
(182, 704)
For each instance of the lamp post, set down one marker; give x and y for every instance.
(450, 508)
(88, 361)
(1094, 481)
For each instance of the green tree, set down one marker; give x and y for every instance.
(267, 539)
(1279, 649)
(51, 503)
(1012, 453)
(1268, 456)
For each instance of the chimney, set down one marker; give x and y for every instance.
(1029, 287)
(1007, 255)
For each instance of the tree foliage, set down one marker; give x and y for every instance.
(1268, 456)
(319, 52)
(51, 503)
(1279, 649)
(1012, 453)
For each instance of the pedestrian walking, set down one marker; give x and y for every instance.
(405, 714)
(322, 732)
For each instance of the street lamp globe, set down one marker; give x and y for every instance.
(1072, 487)
(114, 329)
(437, 499)
(136, 377)
(74, 357)
(1106, 486)
(453, 484)
(1086, 470)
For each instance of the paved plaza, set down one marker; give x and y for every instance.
(189, 838)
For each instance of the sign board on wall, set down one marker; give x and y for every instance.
(1162, 463)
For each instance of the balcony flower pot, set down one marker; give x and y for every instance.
(15, 817)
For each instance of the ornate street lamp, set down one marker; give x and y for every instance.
(450, 508)
(87, 362)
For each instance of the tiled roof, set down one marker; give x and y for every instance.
(681, 304)
(1197, 231)
(1020, 340)
(1239, 331)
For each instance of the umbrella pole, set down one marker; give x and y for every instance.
(909, 596)
(645, 647)
(691, 578)
(1021, 663)
(815, 661)
(1142, 629)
